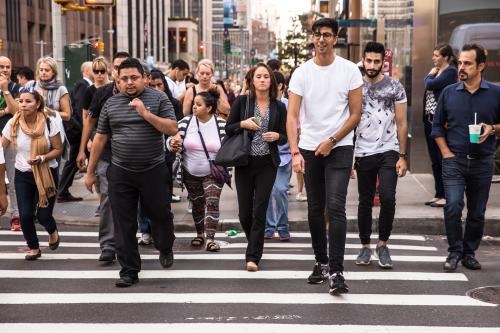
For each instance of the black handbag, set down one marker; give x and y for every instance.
(234, 149)
(219, 172)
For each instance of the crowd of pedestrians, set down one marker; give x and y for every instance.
(127, 126)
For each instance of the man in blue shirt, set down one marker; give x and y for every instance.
(467, 167)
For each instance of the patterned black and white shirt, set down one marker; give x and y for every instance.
(259, 147)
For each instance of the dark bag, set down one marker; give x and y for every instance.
(234, 149)
(219, 172)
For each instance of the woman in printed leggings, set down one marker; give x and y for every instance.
(200, 134)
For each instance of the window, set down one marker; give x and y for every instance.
(323, 7)
(13, 20)
(41, 4)
(183, 40)
(172, 41)
(29, 3)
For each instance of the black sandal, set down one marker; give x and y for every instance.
(212, 247)
(197, 241)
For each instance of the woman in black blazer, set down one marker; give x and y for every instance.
(266, 125)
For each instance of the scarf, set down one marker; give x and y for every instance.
(39, 146)
(49, 91)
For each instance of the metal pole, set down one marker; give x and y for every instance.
(58, 38)
(242, 52)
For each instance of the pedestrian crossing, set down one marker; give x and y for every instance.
(68, 290)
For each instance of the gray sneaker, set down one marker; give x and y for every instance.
(365, 256)
(384, 257)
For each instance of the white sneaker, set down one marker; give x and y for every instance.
(190, 207)
(145, 239)
(176, 198)
(301, 197)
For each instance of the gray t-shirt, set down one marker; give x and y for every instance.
(135, 144)
(376, 132)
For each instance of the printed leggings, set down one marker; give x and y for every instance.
(204, 193)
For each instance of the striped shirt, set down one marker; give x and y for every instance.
(135, 144)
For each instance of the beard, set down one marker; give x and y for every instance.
(463, 76)
(372, 73)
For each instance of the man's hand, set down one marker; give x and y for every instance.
(90, 180)
(324, 148)
(81, 160)
(4, 203)
(298, 164)
(487, 130)
(448, 154)
(401, 167)
(4, 82)
(176, 143)
(139, 107)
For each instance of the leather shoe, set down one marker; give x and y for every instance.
(470, 262)
(68, 198)
(126, 281)
(55, 245)
(451, 263)
(167, 259)
(33, 256)
(107, 256)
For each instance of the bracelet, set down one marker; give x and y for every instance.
(494, 132)
(295, 153)
(403, 155)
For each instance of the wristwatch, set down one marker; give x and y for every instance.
(403, 155)
(494, 131)
(6, 93)
(333, 140)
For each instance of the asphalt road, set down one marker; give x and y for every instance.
(68, 290)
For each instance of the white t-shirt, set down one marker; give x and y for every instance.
(173, 87)
(2, 156)
(24, 145)
(377, 131)
(194, 159)
(325, 107)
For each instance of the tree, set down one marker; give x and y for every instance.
(292, 50)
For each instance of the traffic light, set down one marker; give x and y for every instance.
(227, 46)
(201, 49)
(1, 44)
(99, 46)
(97, 3)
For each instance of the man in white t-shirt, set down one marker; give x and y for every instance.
(380, 152)
(4, 203)
(325, 94)
(177, 73)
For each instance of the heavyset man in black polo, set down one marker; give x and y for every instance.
(136, 120)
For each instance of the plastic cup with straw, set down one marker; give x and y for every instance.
(474, 130)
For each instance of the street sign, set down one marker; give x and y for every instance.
(236, 53)
(387, 69)
(96, 3)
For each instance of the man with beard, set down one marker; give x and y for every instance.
(135, 120)
(380, 151)
(467, 160)
(325, 94)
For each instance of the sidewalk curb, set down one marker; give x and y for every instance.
(410, 225)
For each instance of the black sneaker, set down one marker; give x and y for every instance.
(337, 284)
(451, 262)
(107, 256)
(319, 273)
(126, 281)
(470, 262)
(167, 259)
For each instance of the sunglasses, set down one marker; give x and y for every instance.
(30, 90)
(99, 71)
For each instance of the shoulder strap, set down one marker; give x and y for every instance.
(194, 95)
(203, 141)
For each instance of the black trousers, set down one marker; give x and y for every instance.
(254, 183)
(69, 170)
(436, 160)
(125, 190)
(368, 168)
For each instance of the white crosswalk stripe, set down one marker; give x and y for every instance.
(180, 288)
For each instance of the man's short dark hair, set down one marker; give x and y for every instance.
(180, 64)
(121, 54)
(27, 73)
(280, 78)
(374, 47)
(275, 64)
(326, 22)
(480, 54)
(131, 63)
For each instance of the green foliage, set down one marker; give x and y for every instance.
(292, 50)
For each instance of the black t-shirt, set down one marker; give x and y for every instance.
(87, 98)
(14, 91)
(99, 98)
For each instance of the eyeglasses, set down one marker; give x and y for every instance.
(133, 78)
(99, 71)
(326, 35)
(30, 90)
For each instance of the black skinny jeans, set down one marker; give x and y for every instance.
(27, 200)
(436, 160)
(326, 181)
(254, 183)
(126, 188)
(368, 168)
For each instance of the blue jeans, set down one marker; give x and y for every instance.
(472, 177)
(144, 221)
(27, 200)
(327, 179)
(277, 211)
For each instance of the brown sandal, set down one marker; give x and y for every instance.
(213, 247)
(197, 241)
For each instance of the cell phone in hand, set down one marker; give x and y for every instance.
(35, 160)
(256, 121)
